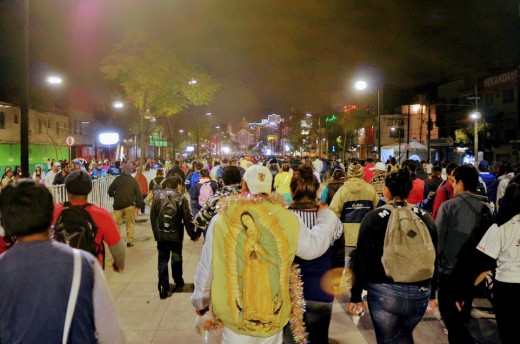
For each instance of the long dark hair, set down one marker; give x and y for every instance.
(304, 184)
(399, 183)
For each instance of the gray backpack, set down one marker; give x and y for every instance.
(408, 251)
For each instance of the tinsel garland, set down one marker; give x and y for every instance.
(297, 324)
(274, 198)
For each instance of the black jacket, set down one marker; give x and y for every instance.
(126, 192)
(184, 219)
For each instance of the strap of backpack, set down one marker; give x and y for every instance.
(479, 214)
(73, 296)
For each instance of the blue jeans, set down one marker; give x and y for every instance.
(396, 309)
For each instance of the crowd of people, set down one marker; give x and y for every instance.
(271, 224)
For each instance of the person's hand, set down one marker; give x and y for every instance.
(356, 308)
(432, 305)
(116, 269)
(202, 311)
(459, 305)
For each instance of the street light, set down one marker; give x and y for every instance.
(54, 81)
(198, 146)
(362, 85)
(475, 116)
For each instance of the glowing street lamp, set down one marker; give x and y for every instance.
(118, 104)
(54, 80)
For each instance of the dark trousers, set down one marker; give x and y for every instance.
(165, 249)
(456, 322)
(317, 320)
(506, 301)
(143, 206)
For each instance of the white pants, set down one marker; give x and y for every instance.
(230, 337)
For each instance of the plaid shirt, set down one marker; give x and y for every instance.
(206, 213)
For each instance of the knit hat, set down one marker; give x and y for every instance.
(127, 168)
(78, 182)
(355, 170)
(258, 179)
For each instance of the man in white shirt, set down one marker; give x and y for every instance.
(49, 177)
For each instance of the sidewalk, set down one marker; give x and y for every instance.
(147, 319)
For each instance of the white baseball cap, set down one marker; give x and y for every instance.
(258, 179)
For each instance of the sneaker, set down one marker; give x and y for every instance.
(129, 244)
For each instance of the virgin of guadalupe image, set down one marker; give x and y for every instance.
(258, 267)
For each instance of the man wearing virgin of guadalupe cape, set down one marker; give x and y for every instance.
(246, 260)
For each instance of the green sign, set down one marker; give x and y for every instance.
(331, 118)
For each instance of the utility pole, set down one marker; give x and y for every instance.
(24, 91)
(475, 139)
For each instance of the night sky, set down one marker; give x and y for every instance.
(276, 56)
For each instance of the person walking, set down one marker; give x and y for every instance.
(230, 186)
(321, 275)
(59, 179)
(500, 244)
(37, 275)
(282, 182)
(78, 185)
(127, 201)
(445, 192)
(456, 222)
(245, 265)
(143, 185)
(168, 231)
(395, 308)
(337, 181)
(350, 203)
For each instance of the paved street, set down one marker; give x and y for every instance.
(147, 319)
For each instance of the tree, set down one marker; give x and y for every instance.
(465, 136)
(353, 120)
(156, 82)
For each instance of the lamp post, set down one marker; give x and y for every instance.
(362, 85)
(475, 116)
(197, 132)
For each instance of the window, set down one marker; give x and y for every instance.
(57, 128)
(508, 96)
(40, 124)
(49, 124)
(15, 118)
(2, 120)
(397, 133)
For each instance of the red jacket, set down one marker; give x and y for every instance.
(143, 183)
(417, 193)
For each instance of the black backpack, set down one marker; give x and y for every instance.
(76, 228)
(166, 228)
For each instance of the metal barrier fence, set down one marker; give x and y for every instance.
(98, 195)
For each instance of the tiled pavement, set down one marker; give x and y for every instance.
(147, 319)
